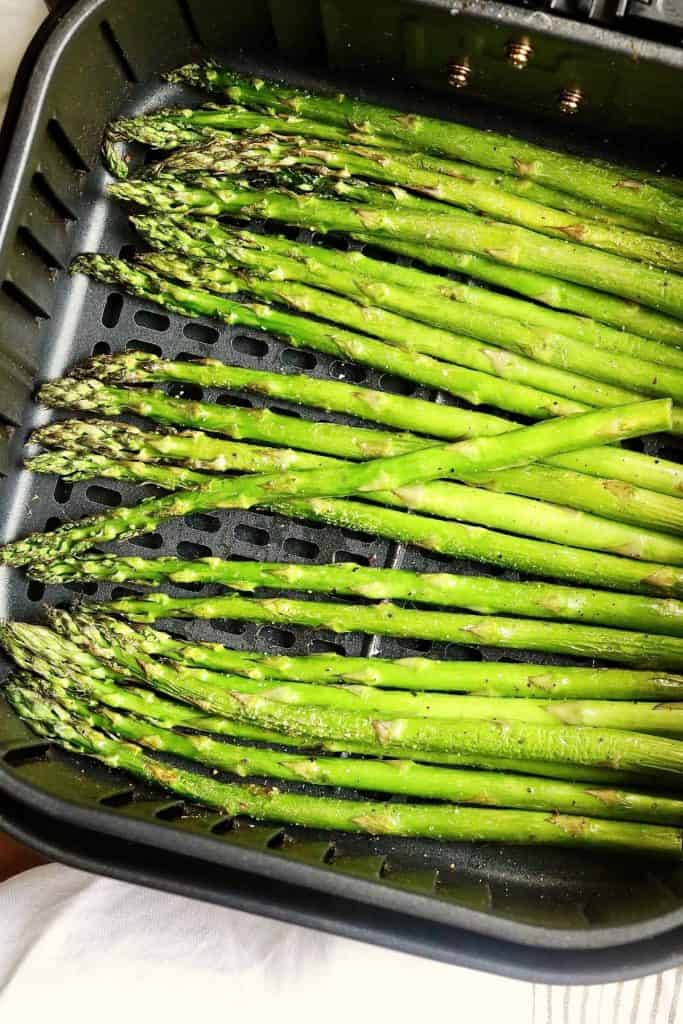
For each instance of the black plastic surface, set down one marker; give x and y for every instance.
(101, 61)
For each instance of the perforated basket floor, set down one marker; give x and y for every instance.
(542, 898)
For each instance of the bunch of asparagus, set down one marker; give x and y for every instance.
(585, 341)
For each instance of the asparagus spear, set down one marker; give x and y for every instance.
(456, 187)
(267, 802)
(197, 127)
(603, 496)
(474, 386)
(207, 238)
(599, 183)
(476, 593)
(399, 330)
(124, 444)
(463, 541)
(541, 288)
(574, 744)
(420, 321)
(447, 500)
(45, 654)
(503, 679)
(403, 777)
(388, 619)
(506, 243)
(381, 474)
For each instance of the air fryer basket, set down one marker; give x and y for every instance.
(530, 912)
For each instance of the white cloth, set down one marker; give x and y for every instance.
(83, 949)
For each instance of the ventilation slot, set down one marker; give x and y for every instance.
(172, 813)
(351, 556)
(112, 309)
(188, 550)
(148, 540)
(100, 348)
(63, 489)
(301, 548)
(201, 521)
(26, 755)
(276, 637)
(65, 145)
(251, 535)
(143, 346)
(302, 360)
(396, 385)
(103, 496)
(29, 240)
(201, 332)
(46, 192)
(347, 371)
(154, 321)
(117, 50)
(35, 590)
(250, 346)
(25, 301)
(190, 392)
(118, 799)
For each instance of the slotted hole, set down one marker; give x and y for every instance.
(118, 799)
(152, 541)
(396, 385)
(202, 521)
(251, 534)
(100, 348)
(318, 646)
(28, 239)
(35, 590)
(186, 549)
(63, 489)
(188, 586)
(239, 400)
(45, 190)
(172, 813)
(351, 556)
(347, 371)
(127, 251)
(298, 358)
(154, 321)
(26, 755)
(82, 586)
(112, 309)
(117, 50)
(103, 496)
(25, 301)
(51, 523)
(62, 141)
(232, 626)
(279, 841)
(190, 392)
(293, 414)
(201, 332)
(188, 18)
(250, 346)
(118, 592)
(143, 346)
(276, 637)
(301, 548)
(222, 827)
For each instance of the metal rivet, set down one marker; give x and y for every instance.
(570, 99)
(459, 72)
(519, 53)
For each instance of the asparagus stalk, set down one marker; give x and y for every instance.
(476, 593)
(462, 541)
(45, 654)
(503, 679)
(267, 802)
(387, 619)
(194, 128)
(574, 744)
(506, 243)
(403, 777)
(450, 501)
(474, 386)
(410, 335)
(598, 183)
(420, 321)
(603, 496)
(456, 187)
(208, 239)
(658, 474)
(381, 474)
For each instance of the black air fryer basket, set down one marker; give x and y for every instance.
(535, 913)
